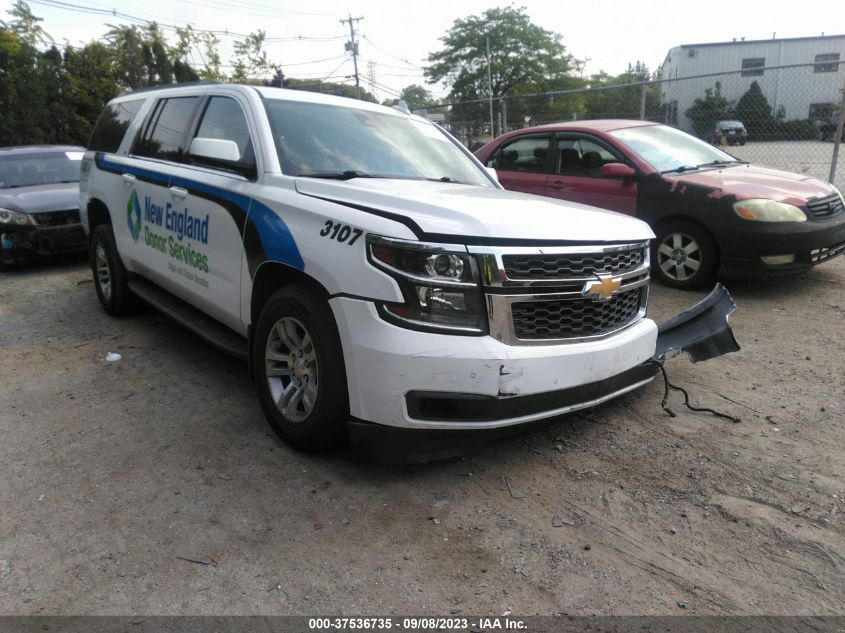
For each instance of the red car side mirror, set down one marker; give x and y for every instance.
(617, 170)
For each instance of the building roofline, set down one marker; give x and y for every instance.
(782, 39)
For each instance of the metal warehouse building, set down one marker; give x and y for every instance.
(809, 91)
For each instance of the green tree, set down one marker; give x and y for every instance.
(705, 112)
(754, 111)
(328, 87)
(523, 56)
(415, 96)
(524, 59)
(250, 63)
(607, 102)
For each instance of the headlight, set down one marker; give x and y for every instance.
(7, 216)
(839, 192)
(763, 210)
(440, 286)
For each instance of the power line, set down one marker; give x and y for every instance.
(377, 47)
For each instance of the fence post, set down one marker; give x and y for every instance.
(642, 101)
(504, 115)
(837, 139)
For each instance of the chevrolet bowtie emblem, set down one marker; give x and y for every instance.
(603, 289)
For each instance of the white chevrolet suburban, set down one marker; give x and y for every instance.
(374, 274)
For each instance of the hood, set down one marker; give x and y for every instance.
(41, 198)
(754, 181)
(480, 212)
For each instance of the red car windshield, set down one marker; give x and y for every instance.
(668, 149)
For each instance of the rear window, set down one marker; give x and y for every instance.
(112, 125)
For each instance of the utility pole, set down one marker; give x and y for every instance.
(837, 139)
(490, 89)
(352, 46)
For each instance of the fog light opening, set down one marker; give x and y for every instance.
(775, 260)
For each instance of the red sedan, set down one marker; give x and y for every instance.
(712, 214)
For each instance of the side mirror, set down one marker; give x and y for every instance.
(492, 172)
(617, 170)
(215, 149)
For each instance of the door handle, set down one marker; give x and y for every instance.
(178, 193)
(128, 179)
(557, 184)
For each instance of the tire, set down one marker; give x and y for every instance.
(684, 256)
(299, 371)
(110, 278)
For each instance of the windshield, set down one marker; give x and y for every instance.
(347, 142)
(668, 149)
(43, 168)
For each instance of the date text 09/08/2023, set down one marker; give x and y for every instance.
(417, 624)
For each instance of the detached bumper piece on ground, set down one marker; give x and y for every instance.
(702, 332)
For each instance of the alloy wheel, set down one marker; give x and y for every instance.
(291, 369)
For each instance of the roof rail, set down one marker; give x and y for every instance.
(201, 82)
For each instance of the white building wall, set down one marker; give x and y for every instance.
(792, 89)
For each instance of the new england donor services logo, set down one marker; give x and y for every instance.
(133, 216)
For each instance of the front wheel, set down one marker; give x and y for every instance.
(110, 278)
(684, 256)
(299, 370)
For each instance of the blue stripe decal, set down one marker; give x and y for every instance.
(276, 239)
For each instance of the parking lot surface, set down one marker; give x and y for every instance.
(802, 157)
(153, 485)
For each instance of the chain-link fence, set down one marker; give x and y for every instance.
(785, 117)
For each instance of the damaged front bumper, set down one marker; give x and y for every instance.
(446, 422)
(22, 242)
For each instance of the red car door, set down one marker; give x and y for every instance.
(577, 175)
(522, 163)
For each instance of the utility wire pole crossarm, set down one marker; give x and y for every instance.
(352, 46)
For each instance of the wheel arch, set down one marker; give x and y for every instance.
(270, 277)
(98, 213)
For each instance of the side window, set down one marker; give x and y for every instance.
(112, 125)
(525, 154)
(168, 128)
(224, 119)
(582, 157)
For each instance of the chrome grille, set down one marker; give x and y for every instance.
(554, 294)
(826, 206)
(574, 318)
(571, 265)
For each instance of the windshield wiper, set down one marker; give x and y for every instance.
(349, 174)
(680, 168)
(716, 163)
(447, 179)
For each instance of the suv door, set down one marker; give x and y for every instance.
(214, 194)
(522, 163)
(142, 238)
(576, 175)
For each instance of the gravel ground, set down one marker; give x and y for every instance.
(154, 486)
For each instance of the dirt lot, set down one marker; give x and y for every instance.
(110, 473)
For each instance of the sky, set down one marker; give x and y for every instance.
(396, 37)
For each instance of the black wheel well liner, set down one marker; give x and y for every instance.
(98, 213)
